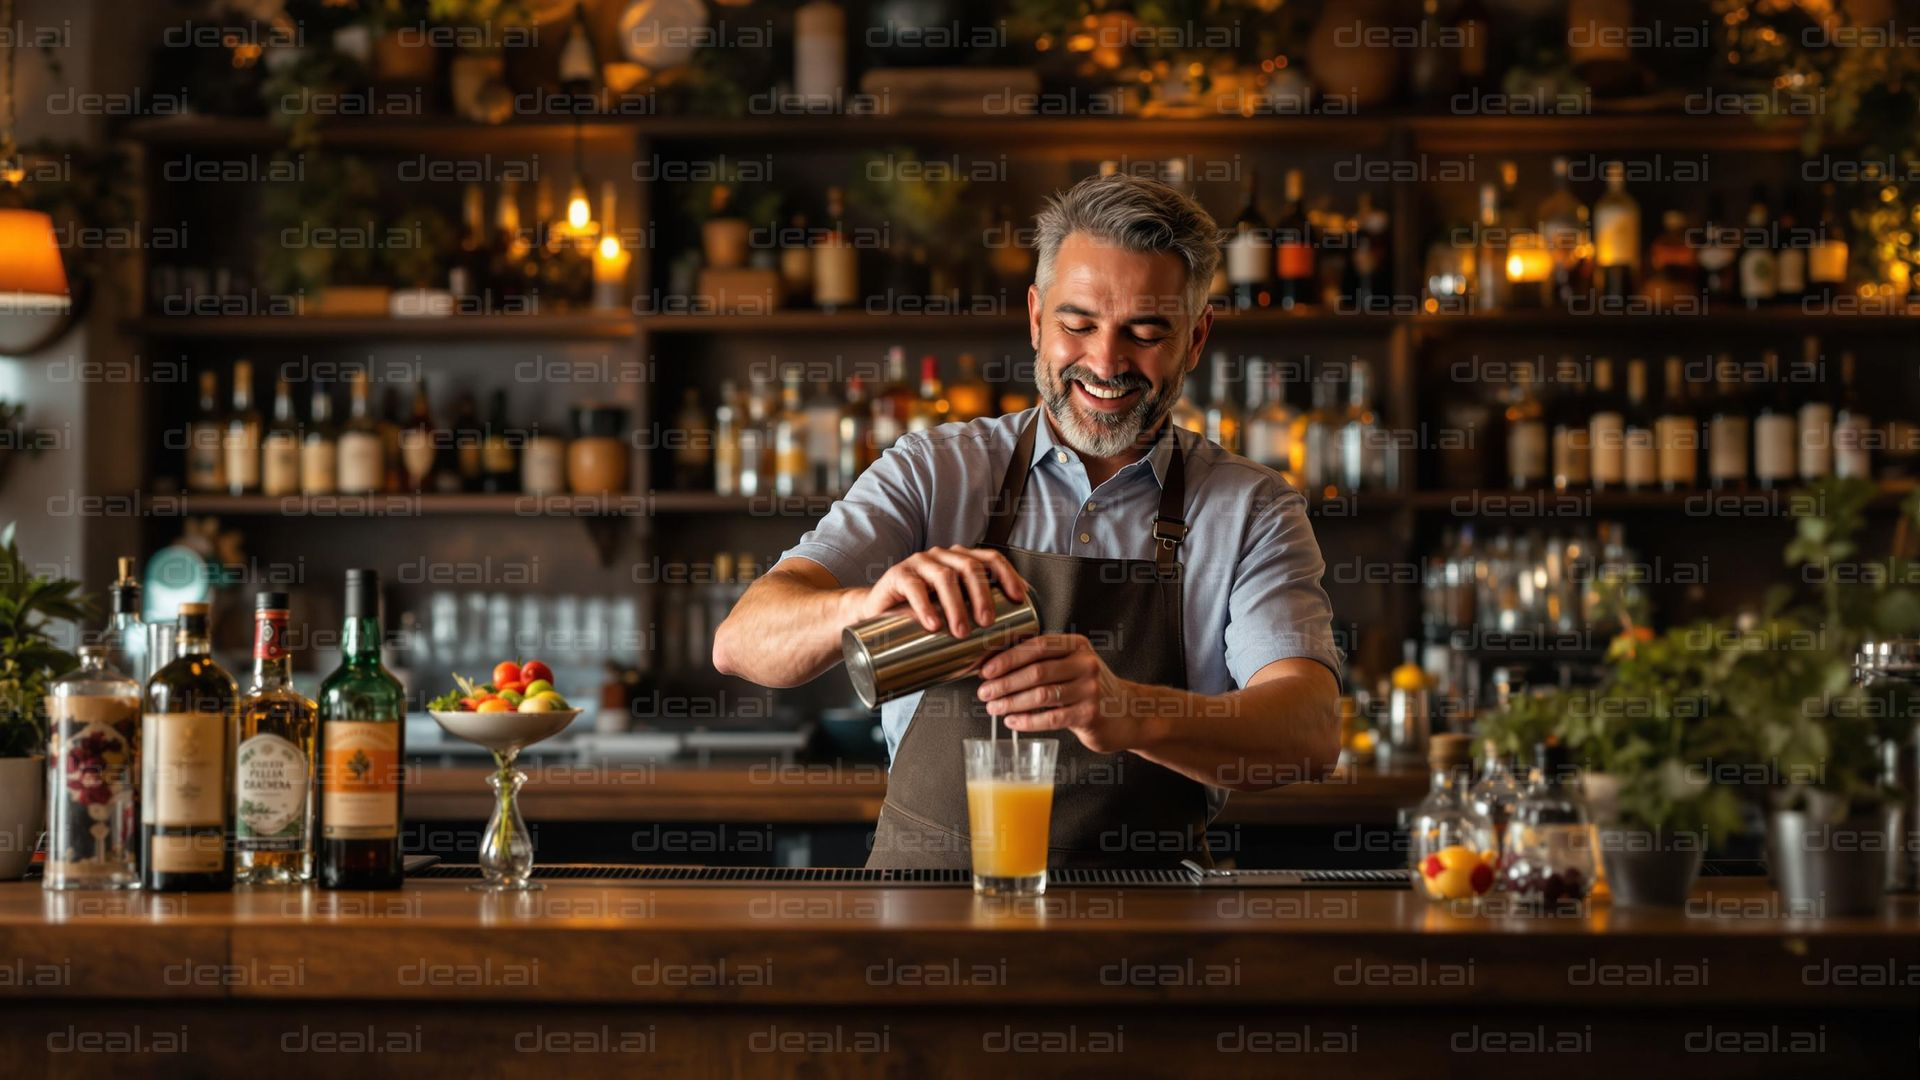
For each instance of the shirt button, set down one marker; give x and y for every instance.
(1085, 539)
(1092, 506)
(1060, 456)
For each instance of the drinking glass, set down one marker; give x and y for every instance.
(1009, 805)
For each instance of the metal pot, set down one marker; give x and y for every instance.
(1837, 868)
(23, 810)
(1647, 868)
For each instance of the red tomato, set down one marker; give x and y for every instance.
(504, 672)
(534, 669)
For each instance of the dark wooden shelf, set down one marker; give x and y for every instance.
(417, 134)
(579, 326)
(1851, 314)
(801, 321)
(404, 505)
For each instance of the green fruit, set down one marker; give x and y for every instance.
(512, 698)
(538, 686)
(558, 701)
(540, 704)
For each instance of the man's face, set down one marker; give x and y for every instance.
(1112, 343)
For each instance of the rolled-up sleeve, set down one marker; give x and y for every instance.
(1277, 608)
(881, 520)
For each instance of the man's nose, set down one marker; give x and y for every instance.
(1106, 355)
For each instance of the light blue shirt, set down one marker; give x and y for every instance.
(1251, 566)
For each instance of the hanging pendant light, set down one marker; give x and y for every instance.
(36, 299)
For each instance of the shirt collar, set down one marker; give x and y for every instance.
(1044, 445)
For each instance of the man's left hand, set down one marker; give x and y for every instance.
(1055, 682)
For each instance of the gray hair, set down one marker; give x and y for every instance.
(1135, 214)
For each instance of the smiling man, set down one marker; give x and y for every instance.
(1187, 647)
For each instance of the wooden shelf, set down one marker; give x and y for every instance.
(407, 505)
(800, 321)
(417, 134)
(579, 326)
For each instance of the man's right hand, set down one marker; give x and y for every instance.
(947, 587)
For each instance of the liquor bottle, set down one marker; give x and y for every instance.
(393, 469)
(207, 440)
(1269, 430)
(1790, 263)
(1672, 260)
(280, 446)
(127, 647)
(500, 453)
(790, 471)
(969, 397)
(1223, 416)
(1293, 241)
(468, 280)
(1490, 253)
(729, 416)
(361, 754)
(756, 440)
(1187, 412)
(854, 440)
(1852, 430)
(929, 410)
(536, 254)
(1572, 439)
(693, 454)
(320, 446)
(1775, 435)
(1759, 269)
(1371, 269)
(1827, 258)
(505, 276)
(836, 262)
(1616, 236)
(362, 456)
(1607, 431)
(796, 263)
(1729, 432)
(273, 790)
(93, 776)
(190, 717)
(1642, 440)
(242, 447)
(1678, 432)
(823, 440)
(1364, 462)
(417, 451)
(893, 404)
(1433, 71)
(469, 440)
(1250, 252)
(1815, 422)
(1565, 231)
(1528, 456)
(1719, 251)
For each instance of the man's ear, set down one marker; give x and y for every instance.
(1202, 326)
(1033, 317)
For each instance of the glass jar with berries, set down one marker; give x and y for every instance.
(93, 777)
(1547, 856)
(1454, 854)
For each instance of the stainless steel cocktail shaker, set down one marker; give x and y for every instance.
(893, 656)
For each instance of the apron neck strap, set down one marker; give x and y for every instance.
(1169, 524)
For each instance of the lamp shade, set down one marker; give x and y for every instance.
(32, 276)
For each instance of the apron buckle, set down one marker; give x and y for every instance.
(1169, 533)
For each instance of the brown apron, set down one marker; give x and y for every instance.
(1109, 810)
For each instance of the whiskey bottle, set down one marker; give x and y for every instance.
(1616, 236)
(242, 446)
(836, 262)
(280, 446)
(1729, 432)
(320, 447)
(362, 456)
(1775, 435)
(191, 716)
(790, 473)
(1678, 432)
(273, 790)
(207, 440)
(361, 754)
(729, 416)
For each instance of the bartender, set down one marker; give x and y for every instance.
(1186, 646)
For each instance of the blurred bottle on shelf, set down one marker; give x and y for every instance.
(1187, 413)
(1759, 267)
(1527, 440)
(1719, 251)
(790, 464)
(242, 446)
(469, 443)
(1320, 437)
(361, 453)
(1829, 253)
(836, 262)
(1729, 429)
(319, 446)
(756, 439)
(1678, 432)
(1295, 279)
(505, 252)
(500, 454)
(1270, 420)
(1369, 279)
(1489, 252)
(969, 397)
(1814, 422)
(1775, 432)
(929, 408)
(1249, 258)
(393, 471)
(467, 279)
(693, 451)
(1853, 432)
(1642, 438)
(796, 263)
(1616, 237)
(1223, 416)
(280, 446)
(854, 443)
(1568, 430)
(1607, 430)
(729, 420)
(1367, 459)
(1567, 236)
(207, 440)
(823, 441)
(1790, 257)
(893, 402)
(417, 451)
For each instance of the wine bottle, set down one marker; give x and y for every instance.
(1852, 430)
(1729, 432)
(1759, 268)
(362, 456)
(1827, 257)
(1616, 236)
(1293, 248)
(1572, 438)
(1250, 252)
(361, 754)
(1527, 449)
(1678, 432)
(1607, 430)
(191, 717)
(1642, 442)
(320, 447)
(280, 446)
(207, 440)
(1775, 438)
(1815, 420)
(243, 434)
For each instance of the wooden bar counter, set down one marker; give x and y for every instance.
(751, 980)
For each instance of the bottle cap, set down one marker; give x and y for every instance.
(363, 594)
(270, 601)
(194, 608)
(1450, 751)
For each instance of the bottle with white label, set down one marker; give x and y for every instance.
(1616, 236)
(190, 718)
(242, 446)
(1790, 262)
(1270, 420)
(1729, 431)
(363, 461)
(1775, 435)
(273, 771)
(1572, 438)
(361, 755)
(1759, 267)
(1607, 431)
(1719, 251)
(207, 440)
(1815, 421)
(1678, 432)
(1642, 442)
(280, 446)
(1852, 430)
(1527, 452)
(319, 447)
(1250, 253)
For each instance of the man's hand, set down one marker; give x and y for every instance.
(947, 587)
(1057, 681)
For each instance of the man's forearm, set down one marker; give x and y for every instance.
(1280, 731)
(784, 631)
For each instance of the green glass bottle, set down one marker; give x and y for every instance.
(361, 755)
(192, 716)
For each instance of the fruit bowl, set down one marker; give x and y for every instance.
(505, 732)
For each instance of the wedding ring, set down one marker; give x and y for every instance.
(1056, 693)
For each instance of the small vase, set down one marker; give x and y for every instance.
(1829, 869)
(725, 242)
(1650, 868)
(506, 852)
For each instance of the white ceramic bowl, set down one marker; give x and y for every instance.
(505, 731)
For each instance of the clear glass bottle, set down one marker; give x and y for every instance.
(1187, 412)
(127, 634)
(1223, 415)
(1453, 848)
(93, 777)
(1496, 794)
(1365, 464)
(1546, 855)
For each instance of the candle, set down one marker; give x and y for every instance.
(610, 263)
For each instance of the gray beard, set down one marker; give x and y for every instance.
(1102, 434)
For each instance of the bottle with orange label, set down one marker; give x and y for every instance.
(361, 754)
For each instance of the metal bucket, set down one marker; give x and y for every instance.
(894, 655)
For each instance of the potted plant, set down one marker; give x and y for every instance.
(30, 660)
(729, 205)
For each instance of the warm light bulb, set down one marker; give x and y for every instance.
(578, 213)
(609, 247)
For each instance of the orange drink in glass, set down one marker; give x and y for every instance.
(1009, 806)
